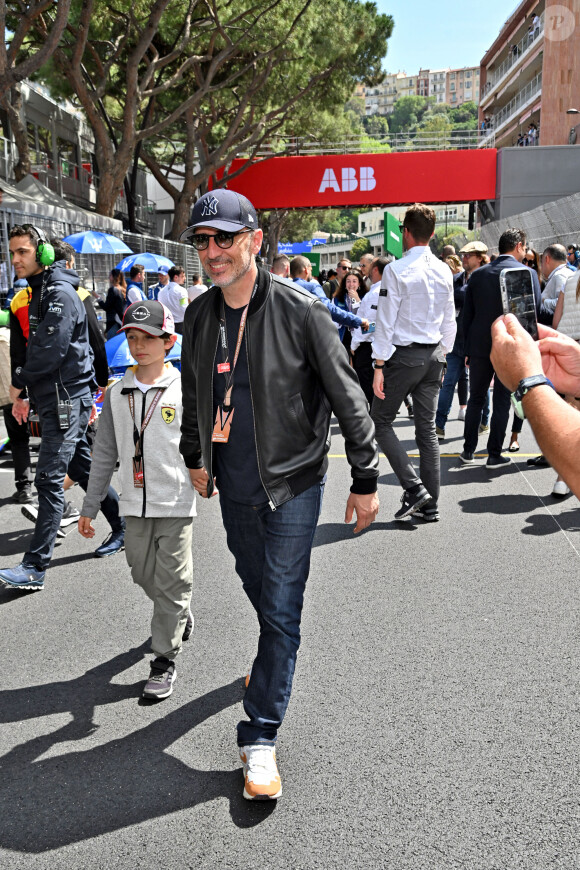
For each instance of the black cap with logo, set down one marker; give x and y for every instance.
(221, 210)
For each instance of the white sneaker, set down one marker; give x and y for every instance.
(461, 415)
(262, 779)
(561, 489)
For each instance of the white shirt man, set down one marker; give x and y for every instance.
(415, 329)
(416, 304)
(174, 296)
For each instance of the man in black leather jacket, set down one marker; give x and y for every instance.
(264, 358)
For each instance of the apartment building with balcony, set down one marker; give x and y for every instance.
(530, 77)
(438, 84)
(381, 99)
(462, 86)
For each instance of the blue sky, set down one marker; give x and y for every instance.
(439, 33)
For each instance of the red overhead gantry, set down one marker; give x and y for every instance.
(368, 179)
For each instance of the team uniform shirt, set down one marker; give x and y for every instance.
(415, 304)
(134, 292)
(174, 297)
(367, 311)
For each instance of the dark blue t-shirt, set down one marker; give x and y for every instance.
(235, 463)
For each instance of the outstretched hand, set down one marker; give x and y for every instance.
(560, 360)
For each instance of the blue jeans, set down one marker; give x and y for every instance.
(455, 369)
(57, 448)
(272, 553)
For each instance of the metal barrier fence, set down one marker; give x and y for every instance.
(557, 221)
(93, 268)
(422, 140)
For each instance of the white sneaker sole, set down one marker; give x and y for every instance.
(263, 797)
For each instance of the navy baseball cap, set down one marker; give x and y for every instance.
(149, 316)
(221, 210)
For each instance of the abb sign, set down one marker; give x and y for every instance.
(365, 181)
(368, 179)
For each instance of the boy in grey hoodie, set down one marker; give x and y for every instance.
(140, 427)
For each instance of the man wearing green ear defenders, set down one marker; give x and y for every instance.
(56, 370)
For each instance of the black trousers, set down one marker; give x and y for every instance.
(363, 366)
(480, 376)
(20, 447)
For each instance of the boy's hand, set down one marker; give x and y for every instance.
(200, 478)
(86, 527)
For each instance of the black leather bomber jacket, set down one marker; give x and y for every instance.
(299, 374)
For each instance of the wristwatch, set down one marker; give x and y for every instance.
(524, 386)
(377, 366)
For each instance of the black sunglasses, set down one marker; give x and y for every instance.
(200, 241)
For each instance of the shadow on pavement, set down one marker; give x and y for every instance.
(49, 803)
(500, 504)
(333, 533)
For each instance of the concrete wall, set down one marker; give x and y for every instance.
(530, 177)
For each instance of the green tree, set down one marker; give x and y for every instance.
(360, 247)
(407, 113)
(22, 53)
(195, 83)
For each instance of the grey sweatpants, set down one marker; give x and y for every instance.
(158, 551)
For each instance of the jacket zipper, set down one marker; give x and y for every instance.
(271, 504)
(142, 452)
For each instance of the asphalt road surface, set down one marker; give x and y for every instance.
(433, 721)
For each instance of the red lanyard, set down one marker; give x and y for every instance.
(146, 419)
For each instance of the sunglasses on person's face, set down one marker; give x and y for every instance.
(200, 241)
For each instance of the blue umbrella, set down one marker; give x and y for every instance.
(119, 355)
(97, 243)
(150, 262)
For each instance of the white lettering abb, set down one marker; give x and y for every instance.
(350, 182)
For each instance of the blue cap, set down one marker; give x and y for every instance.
(221, 210)
(163, 269)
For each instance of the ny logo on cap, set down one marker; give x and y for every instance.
(210, 207)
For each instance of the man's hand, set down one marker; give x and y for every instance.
(366, 507)
(20, 410)
(200, 478)
(514, 353)
(379, 384)
(560, 360)
(86, 528)
(93, 414)
(365, 325)
(14, 393)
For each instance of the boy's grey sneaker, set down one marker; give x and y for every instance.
(23, 577)
(466, 458)
(111, 545)
(440, 433)
(483, 427)
(161, 679)
(188, 630)
(411, 502)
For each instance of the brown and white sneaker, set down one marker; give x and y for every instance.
(262, 779)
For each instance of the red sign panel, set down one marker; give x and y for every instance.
(369, 179)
